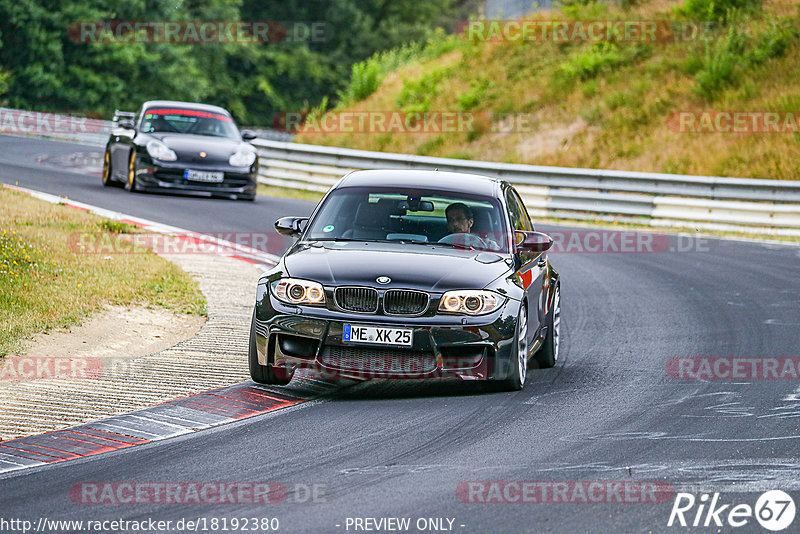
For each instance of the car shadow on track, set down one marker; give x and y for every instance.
(409, 389)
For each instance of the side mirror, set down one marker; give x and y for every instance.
(533, 241)
(127, 124)
(290, 226)
(248, 135)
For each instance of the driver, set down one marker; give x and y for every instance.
(206, 127)
(459, 223)
(459, 218)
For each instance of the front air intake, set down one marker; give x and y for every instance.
(357, 299)
(405, 302)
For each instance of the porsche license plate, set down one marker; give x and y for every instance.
(377, 335)
(203, 176)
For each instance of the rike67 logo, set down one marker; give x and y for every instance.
(774, 510)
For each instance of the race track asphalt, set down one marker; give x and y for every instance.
(609, 411)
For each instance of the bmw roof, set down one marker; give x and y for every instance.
(450, 181)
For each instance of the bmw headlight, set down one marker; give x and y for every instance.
(242, 158)
(295, 291)
(470, 302)
(159, 150)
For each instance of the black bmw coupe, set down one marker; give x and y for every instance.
(181, 146)
(409, 274)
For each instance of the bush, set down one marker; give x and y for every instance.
(719, 64)
(718, 67)
(368, 75)
(773, 42)
(717, 10)
(365, 80)
(416, 95)
(477, 93)
(587, 64)
(5, 82)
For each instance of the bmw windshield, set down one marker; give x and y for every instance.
(411, 216)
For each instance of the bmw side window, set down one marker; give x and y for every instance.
(515, 211)
(524, 217)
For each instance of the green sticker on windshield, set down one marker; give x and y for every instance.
(328, 228)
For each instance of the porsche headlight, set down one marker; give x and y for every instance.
(242, 158)
(295, 291)
(159, 150)
(470, 302)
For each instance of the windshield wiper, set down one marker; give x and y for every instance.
(339, 239)
(212, 135)
(453, 245)
(398, 241)
(358, 240)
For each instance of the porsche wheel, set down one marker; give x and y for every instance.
(130, 185)
(107, 169)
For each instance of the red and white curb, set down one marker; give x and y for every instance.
(163, 421)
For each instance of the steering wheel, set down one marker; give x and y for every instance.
(466, 240)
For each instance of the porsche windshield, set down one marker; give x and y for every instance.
(411, 216)
(189, 121)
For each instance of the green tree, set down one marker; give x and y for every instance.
(45, 65)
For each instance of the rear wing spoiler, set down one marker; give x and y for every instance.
(124, 115)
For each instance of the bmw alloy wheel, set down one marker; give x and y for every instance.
(522, 345)
(556, 322)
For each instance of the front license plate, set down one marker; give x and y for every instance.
(377, 335)
(203, 176)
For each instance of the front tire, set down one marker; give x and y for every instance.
(107, 169)
(519, 364)
(130, 184)
(547, 356)
(263, 374)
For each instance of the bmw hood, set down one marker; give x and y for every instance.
(423, 267)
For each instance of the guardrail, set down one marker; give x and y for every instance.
(82, 127)
(771, 206)
(649, 198)
(77, 127)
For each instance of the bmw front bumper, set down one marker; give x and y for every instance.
(443, 346)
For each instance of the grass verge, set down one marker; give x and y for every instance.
(288, 192)
(45, 283)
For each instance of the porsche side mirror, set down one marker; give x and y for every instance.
(533, 241)
(290, 226)
(248, 135)
(127, 124)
